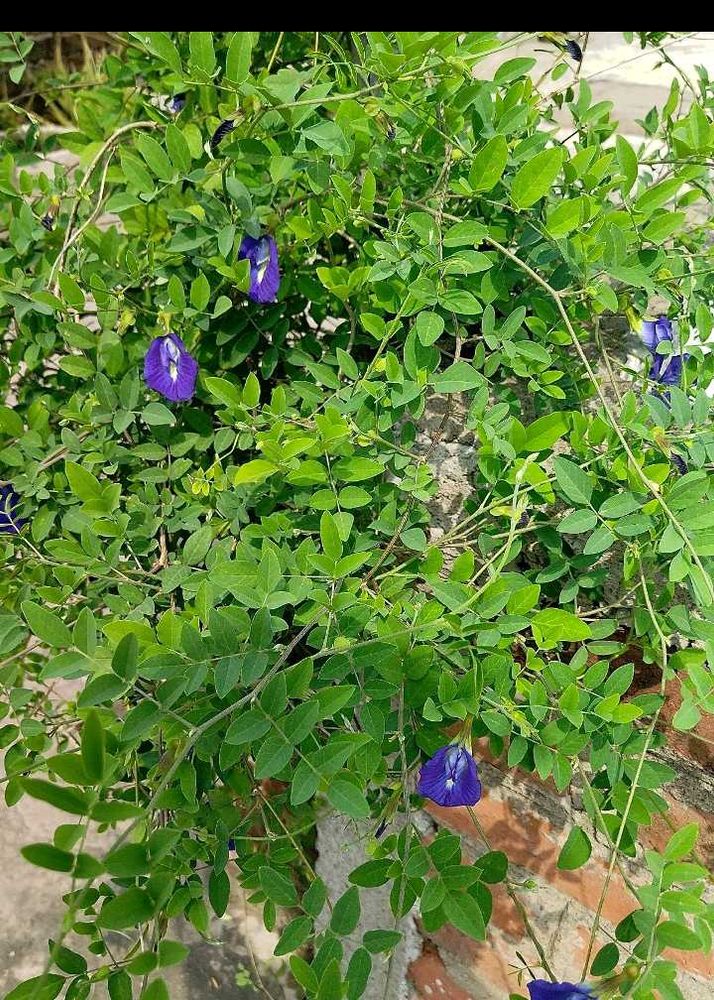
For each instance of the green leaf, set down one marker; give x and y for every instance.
(429, 327)
(93, 741)
(657, 195)
(46, 625)
(682, 842)
(575, 851)
(71, 292)
(156, 990)
(256, 471)
(126, 657)
(158, 415)
(200, 292)
(155, 157)
(203, 57)
(45, 987)
(347, 798)
(238, 59)
(59, 796)
(492, 866)
(161, 45)
(219, 891)
(673, 935)
(133, 907)
(47, 856)
(358, 973)
(82, 483)
(103, 688)
(627, 162)
(330, 536)
(605, 960)
(197, 545)
(223, 390)
(381, 940)
(464, 913)
(536, 177)
(572, 480)
(181, 158)
(172, 952)
(600, 540)
(355, 470)
(544, 432)
(554, 625)
(458, 377)
(462, 302)
(119, 986)
(277, 887)
(488, 164)
(346, 912)
(274, 754)
(251, 391)
(294, 935)
(567, 216)
(371, 874)
(578, 521)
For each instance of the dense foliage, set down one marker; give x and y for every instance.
(224, 611)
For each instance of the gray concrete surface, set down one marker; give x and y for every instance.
(341, 848)
(31, 912)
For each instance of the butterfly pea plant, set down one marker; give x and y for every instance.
(265, 277)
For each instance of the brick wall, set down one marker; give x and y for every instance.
(530, 820)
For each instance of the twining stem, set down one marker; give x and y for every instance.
(614, 853)
(649, 485)
(52, 283)
(191, 741)
(523, 913)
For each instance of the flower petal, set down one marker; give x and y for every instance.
(450, 778)
(170, 369)
(262, 254)
(663, 329)
(649, 334)
(542, 989)
(10, 523)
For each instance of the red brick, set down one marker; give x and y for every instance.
(658, 833)
(431, 981)
(530, 841)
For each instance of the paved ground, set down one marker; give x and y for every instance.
(29, 910)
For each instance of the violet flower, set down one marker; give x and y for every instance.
(450, 778)
(170, 369)
(666, 370)
(264, 271)
(10, 523)
(542, 989)
(177, 103)
(221, 132)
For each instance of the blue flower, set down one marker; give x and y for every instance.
(542, 989)
(177, 103)
(666, 370)
(221, 132)
(264, 272)
(655, 332)
(170, 369)
(450, 778)
(10, 523)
